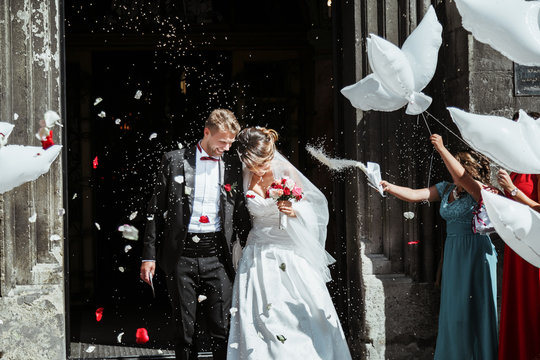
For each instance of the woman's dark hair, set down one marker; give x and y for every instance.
(476, 165)
(256, 145)
(535, 115)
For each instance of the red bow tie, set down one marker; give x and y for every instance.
(205, 157)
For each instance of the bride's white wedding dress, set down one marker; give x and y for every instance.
(281, 307)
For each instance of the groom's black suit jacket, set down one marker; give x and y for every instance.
(172, 204)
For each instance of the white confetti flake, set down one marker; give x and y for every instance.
(201, 298)
(97, 226)
(121, 269)
(260, 335)
(15, 116)
(408, 215)
(102, 114)
(138, 94)
(90, 349)
(233, 311)
(119, 337)
(150, 217)
(187, 190)
(129, 232)
(152, 136)
(195, 239)
(52, 118)
(133, 215)
(160, 351)
(74, 196)
(55, 237)
(97, 101)
(117, 121)
(61, 212)
(32, 218)
(179, 179)
(165, 214)
(180, 146)
(234, 346)
(127, 248)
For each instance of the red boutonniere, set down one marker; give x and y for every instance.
(204, 219)
(231, 189)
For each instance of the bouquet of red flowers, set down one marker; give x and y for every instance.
(284, 190)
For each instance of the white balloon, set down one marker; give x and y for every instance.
(19, 164)
(509, 26)
(399, 75)
(515, 145)
(517, 224)
(5, 130)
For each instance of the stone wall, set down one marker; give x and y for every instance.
(32, 310)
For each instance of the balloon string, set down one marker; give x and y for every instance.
(425, 122)
(451, 132)
(430, 167)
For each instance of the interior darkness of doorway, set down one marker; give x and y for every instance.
(115, 144)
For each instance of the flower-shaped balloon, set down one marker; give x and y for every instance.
(511, 27)
(399, 75)
(515, 145)
(517, 224)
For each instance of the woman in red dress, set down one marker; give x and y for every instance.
(519, 334)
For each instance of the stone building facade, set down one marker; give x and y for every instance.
(388, 293)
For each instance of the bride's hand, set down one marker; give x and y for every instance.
(286, 208)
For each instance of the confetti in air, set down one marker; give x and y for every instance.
(119, 337)
(55, 237)
(97, 226)
(372, 171)
(99, 313)
(32, 218)
(117, 121)
(413, 242)
(138, 94)
(233, 311)
(97, 101)
(133, 215)
(102, 114)
(121, 269)
(90, 349)
(74, 196)
(15, 116)
(152, 136)
(95, 162)
(129, 232)
(409, 215)
(127, 248)
(141, 336)
(201, 298)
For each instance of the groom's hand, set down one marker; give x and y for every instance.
(148, 268)
(286, 208)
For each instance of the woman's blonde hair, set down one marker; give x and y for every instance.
(256, 145)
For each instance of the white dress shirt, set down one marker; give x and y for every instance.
(205, 195)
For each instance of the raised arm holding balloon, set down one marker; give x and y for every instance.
(468, 309)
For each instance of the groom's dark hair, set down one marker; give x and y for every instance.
(222, 120)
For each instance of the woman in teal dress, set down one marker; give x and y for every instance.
(468, 310)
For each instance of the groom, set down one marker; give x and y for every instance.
(196, 212)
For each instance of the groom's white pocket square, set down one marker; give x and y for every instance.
(179, 179)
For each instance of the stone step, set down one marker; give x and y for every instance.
(380, 264)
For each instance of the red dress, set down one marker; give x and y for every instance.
(519, 334)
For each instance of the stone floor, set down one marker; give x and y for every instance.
(99, 352)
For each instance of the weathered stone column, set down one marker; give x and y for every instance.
(32, 310)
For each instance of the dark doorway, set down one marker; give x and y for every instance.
(268, 61)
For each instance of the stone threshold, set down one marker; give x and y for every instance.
(110, 352)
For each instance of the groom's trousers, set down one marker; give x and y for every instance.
(200, 273)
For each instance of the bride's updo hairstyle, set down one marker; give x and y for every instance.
(256, 145)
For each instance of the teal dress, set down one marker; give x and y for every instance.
(468, 311)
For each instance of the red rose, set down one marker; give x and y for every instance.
(286, 191)
(204, 219)
(227, 187)
(99, 314)
(48, 142)
(249, 196)
(283, 181)
(141, 336)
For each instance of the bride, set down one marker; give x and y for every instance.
(281, 308)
